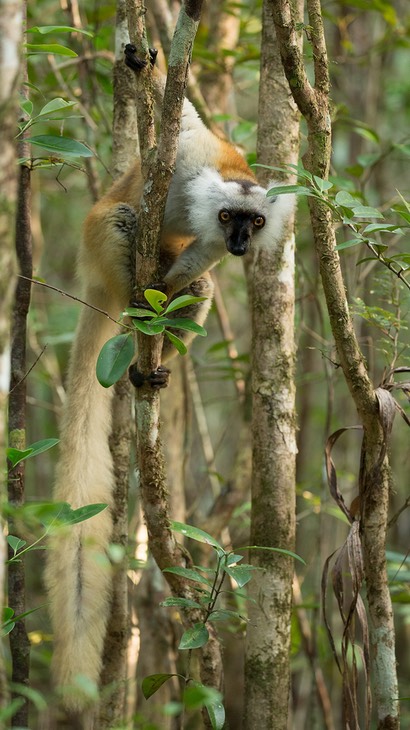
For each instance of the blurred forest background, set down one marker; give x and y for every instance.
(369, 46)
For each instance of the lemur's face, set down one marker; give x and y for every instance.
(238, 228)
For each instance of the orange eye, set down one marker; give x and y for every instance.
(224, 216)
(259, 221)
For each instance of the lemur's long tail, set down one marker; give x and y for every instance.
(78, 574)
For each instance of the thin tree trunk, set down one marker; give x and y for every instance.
(19, 642)
(267, 662)
(114, 671)
(150, 458)
(371, 406)
(10, 39)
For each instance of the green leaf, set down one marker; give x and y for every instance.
(114, 359)
(383, 228)
(54, 48)
(16, 455)
(184, 323)
(216, 712)
(149, 328)
(8, 613)
(346, 200)
(184, 301)
(349, 244)
(188, 574)
(156, 299)
(224, 615)
(182, 602)
(232, 559)
(198, 695)
(27, 106)
(365, 211)
(285, 189)
(194, 638)
(68, 516)
(321, 184)
(195, 534)
(289, 553)
(60, 145)
(139, 312)
(153, 682)
(241, 573)
(177, 342)
(15, 543)
(55, 105)
(44, 29)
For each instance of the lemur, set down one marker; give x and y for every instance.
(214, 207)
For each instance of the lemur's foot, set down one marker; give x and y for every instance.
(135, 63)
(159, 378)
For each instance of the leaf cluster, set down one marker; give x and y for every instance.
(118, 353)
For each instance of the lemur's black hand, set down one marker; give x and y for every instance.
(132, 60)
(159, 378)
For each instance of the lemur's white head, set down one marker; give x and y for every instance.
(236, 213)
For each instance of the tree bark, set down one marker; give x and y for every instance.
(375, 477)
(157, 172)
(11, 18)
(267, 662)
(114, 671)
(19, 642)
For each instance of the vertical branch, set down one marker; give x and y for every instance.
(10, 40)
(267, 661)
(19, 643)
(114, 671)
(375, 473)
(157, 176)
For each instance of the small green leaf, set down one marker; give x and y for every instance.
(138, 312)
(188, 574)
(195, 534)
(55, 105)
(241, 573)
(44, 29)
(153, 682)
(349, 244)
(114, 359)
(285, 189)
(27, 106)
(224, 615)
(321, 184)
(182, 602)
(8, 613)
(232, 559)
(346, 200)
(365, 211)
(216, 712)
(15, 543)
(54, 48)
(183, 323)
(156, 299)
(184, 301)
(194, 638)
(60, 145)
(16, 455)
(177, 342)
(149, 328)
(383, 228)
(69, 516)
(289, 553)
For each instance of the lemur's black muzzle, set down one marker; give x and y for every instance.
(238, 241)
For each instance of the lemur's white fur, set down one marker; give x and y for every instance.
(210, 176)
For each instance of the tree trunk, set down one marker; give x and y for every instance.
(267, 663)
